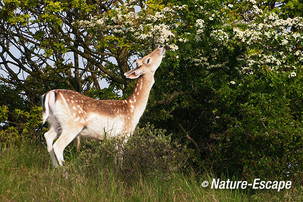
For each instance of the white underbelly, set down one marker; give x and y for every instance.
(97, 127)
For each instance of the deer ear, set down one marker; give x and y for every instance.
(134, 73)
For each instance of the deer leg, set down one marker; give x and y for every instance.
(78, 143)
(67, 135)
(120, 149)
(50, 136)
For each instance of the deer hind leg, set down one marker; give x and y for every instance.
(67, 135)
(50, 136)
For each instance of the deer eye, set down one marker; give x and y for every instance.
(147, 61)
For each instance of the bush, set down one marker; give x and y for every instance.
(262, 135)
(16, 124)
(149, 152)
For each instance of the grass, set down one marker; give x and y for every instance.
(27, 175)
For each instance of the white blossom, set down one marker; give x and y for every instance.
(219, 35)
(179, 7)
(143, 36)
(293, 74)
(162, 33)
(167, 9)
(298, 52)
(100, 21)
(173, 47)
(199, 23)
(261, 34)
(296, 35)
(183, 40)
(284, 42)
(273, 16)
(232, 82)
(200, 31)
(257, 10)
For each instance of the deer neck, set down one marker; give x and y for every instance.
(138, 100)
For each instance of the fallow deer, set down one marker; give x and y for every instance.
(71, 114)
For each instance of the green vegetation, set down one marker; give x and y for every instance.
(228, 93)
(26, 174)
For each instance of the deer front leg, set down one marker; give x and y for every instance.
(78, 143)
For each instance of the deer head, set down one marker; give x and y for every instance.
(147, 65)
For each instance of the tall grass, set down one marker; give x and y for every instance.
(92, 175)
